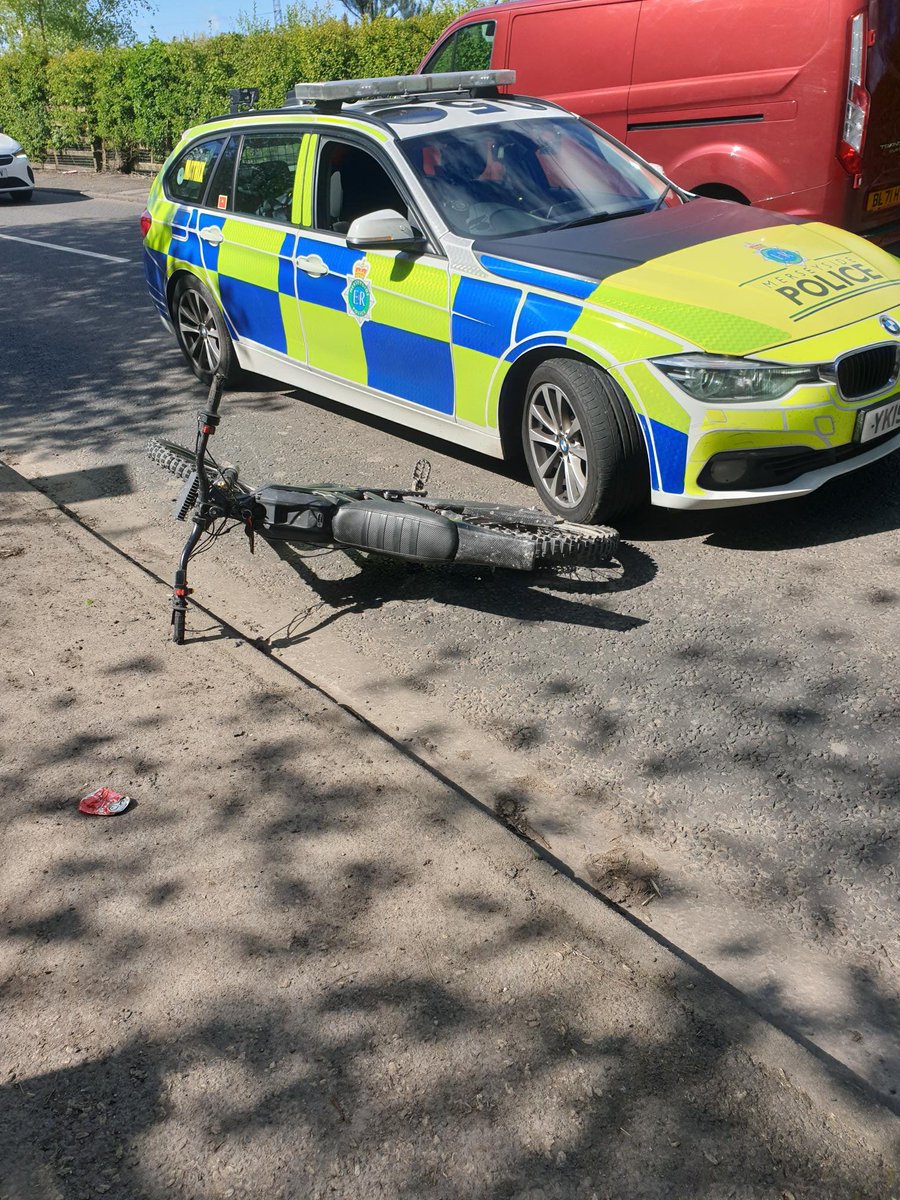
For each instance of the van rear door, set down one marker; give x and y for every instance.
(878, 199)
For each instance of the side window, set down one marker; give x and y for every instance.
(443, 60)
(188, 176)
(351, 183)
(221, 181)
(469, 49)
(264, 186)
(474, 44)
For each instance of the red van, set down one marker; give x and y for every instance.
(791, 106)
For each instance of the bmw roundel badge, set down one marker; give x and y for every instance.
(777, 254)
(889, 325)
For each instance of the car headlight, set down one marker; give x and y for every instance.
(733, 380)
(20, 154)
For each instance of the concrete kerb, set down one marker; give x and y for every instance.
(97, 185)
(603, 930)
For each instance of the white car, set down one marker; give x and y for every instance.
(16, 176)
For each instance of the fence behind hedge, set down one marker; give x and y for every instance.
(129, 104)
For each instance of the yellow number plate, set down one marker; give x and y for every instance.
(883, 198)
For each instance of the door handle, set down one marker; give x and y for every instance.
(212, 234)
(312, 264)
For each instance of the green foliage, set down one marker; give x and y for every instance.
(24, 102)
(55, 25)
(148, 94)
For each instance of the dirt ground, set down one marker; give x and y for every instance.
(303, 966)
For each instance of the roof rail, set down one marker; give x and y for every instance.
(334, 93)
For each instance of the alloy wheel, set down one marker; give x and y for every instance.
(199, 331)
(556, 444)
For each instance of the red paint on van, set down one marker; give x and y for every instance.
(792, 107)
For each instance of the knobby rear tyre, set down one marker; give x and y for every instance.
(488, 542)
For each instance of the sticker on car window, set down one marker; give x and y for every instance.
(358, 292)
(222, 202)
(193, 171)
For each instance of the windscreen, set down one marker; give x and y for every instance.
(520, 176)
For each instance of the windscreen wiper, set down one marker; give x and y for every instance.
(597, 218)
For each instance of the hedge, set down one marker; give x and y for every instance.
(145, 95)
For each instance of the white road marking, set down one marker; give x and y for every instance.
(68, 249)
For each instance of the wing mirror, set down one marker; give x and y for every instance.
(384, 230)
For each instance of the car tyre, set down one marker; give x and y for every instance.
(201, 331)
(583, 445)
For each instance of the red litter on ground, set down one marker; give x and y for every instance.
(104, 802)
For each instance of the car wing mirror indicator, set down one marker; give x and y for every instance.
(383, 230)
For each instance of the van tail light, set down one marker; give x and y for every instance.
(146, 222)
(856, 112)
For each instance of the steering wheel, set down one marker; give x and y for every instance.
(555, 209)
(482, 216)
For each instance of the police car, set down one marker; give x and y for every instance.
(495, 271)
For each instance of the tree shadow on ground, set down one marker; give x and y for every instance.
(288, 974)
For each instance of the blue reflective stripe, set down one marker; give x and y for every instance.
(535, 277)
(255, 311)
(339, 259)
(286, 268)
(543, 312)
(181, 218)
(651, 457)
(184, 243)
(210, 251)
(483, 315)
(327, 290)
(671, 450)
(409, 365)
(155, 273)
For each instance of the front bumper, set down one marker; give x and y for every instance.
(15, 176)
(801, 486)
(703, 455)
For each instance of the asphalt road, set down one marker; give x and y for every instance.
(706, 733)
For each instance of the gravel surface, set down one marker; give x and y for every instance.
(720, 706)
(300, 966)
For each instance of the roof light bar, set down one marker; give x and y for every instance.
(340, 90)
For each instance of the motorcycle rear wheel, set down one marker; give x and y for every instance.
(510, 538)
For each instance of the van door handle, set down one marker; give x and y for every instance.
(312, 264)
(212, 234)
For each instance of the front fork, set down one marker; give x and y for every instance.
(203, 517)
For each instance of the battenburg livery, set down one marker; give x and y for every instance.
(493, 270)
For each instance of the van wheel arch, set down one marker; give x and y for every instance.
(720, 191)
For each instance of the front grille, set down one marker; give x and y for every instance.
(5, 160)
(7, 185)
(867, 372)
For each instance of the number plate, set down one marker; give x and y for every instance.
(883, 198)
(876, 422)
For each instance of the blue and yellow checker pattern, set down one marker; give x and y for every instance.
(441, 339)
